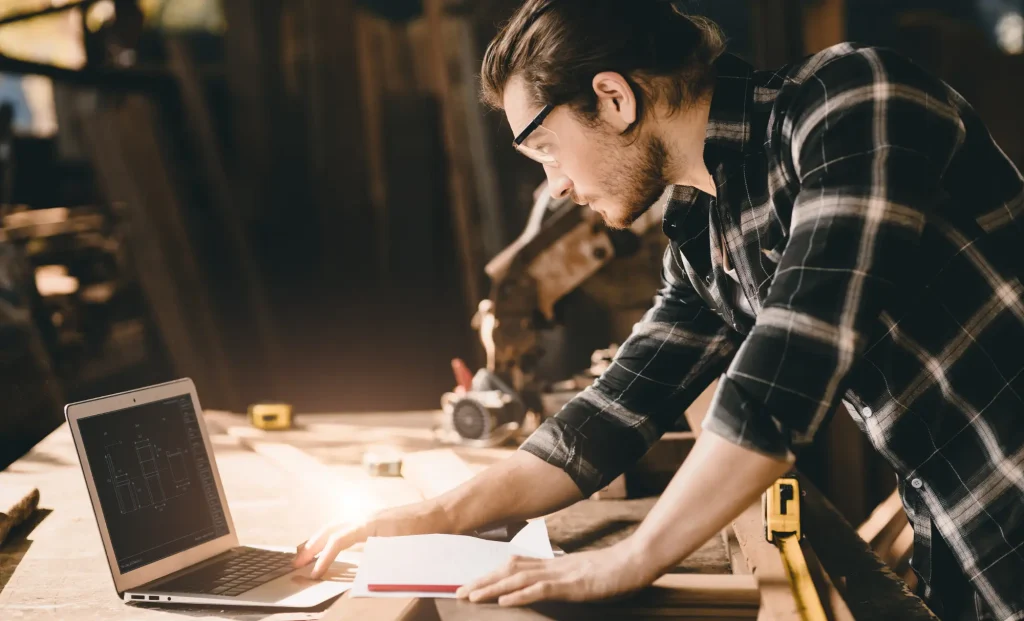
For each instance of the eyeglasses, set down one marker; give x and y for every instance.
(537, 142)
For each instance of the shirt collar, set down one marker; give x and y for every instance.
(734, 122)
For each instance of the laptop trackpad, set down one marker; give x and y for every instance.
(297, 589)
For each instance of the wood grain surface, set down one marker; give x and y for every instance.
(280, 486)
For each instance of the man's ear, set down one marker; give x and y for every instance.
(616, 101)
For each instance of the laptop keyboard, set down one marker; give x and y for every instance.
(243, 569)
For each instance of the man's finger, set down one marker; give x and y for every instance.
(307, 550)
(537, 592)
(511, 584)
(514, 565)
(335, 544)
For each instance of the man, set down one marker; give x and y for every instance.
(842, 229)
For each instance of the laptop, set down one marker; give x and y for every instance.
(159, 504)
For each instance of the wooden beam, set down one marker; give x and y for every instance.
(384, 609)
(126, 148)
(455, 88)
(652, 474)
(718, 597)
(884, 525)
(902, 549)
(763, 559)
(869, 588)
(832, 600)
(765, 562)
(846, 460)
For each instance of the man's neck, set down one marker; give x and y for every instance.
(683, 134)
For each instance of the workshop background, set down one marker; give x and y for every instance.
(296, 200)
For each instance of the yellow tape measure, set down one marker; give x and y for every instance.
(270, 416)
(782, 527)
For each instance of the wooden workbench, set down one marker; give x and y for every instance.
(280, 487)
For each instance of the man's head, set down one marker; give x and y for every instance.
(604, 71)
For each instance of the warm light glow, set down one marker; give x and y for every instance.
(53, 280)
(1010, 33)
(99, 14)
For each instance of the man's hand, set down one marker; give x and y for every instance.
(416, 519)
(585, 576)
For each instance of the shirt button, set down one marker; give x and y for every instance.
(867, 412)
(917, 483)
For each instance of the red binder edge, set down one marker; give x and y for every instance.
(416, 588)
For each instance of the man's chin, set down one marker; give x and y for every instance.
(620, 219)
(618, 224)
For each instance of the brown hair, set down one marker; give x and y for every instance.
(558, 46)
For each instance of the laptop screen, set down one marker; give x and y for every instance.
(154, 480)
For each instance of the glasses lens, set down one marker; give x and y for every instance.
(541, 146)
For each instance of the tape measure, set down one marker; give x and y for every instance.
(782, 527)
(383, 461)
(270, 416)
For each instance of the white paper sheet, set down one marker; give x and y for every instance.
(441, 560)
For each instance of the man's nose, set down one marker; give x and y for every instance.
(559, 185)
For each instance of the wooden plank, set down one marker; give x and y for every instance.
(869, 588)
(586, 525)
(276, 491)
(652, 474)
(435, 472)
(673, 596)
(884, 525)
(125, 146)
(354, 494)
(366, 609)
(832, 600)
(737, 562)
(902, 548)
(354, 497)
(765, 562)
(58, 569)
(763, 559)
(846, 463)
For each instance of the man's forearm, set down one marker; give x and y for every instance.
(716, 483)
(518, 488)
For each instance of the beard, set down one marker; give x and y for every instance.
(635, 178)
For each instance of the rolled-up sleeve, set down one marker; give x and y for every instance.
(672, 355)
(870, 136)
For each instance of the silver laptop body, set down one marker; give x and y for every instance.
(159, 504)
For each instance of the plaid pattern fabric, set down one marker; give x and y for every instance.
(876, 231)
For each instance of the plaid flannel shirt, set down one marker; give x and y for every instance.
(876, 231)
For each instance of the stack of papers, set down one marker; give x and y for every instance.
(437, 565)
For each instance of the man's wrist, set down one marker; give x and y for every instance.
(642, 557)
(444, 515)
